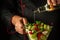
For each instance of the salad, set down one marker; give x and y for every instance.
(38, 30)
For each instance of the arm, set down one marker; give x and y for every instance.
(6, 17)
(9, 18)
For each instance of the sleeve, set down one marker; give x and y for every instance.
(8, 9)
(6, 17)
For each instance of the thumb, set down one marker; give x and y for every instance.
(54, 2)
(49, 2)
(25, 21)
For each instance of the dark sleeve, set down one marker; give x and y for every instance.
(7, 9)
(6, 16)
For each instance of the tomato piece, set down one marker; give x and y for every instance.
(35, 24)
(39, 35)
(30, 32)
(36, 28)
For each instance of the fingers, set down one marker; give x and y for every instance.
(51, 2)
(58, 2)
(48, 2)
(19, 27)
(25, 21)
(19, 23)
(54, 2)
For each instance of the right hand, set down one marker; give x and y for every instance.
(53, 2)
(19, 23)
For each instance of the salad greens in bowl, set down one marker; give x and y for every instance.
(38, 30)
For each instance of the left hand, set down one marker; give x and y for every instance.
(19, 23)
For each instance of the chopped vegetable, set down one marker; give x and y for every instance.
(38, 30)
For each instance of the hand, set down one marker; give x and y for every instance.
(19, 23)
(53, 2)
